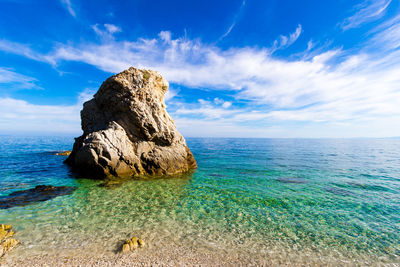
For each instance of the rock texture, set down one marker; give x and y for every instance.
(127, 130)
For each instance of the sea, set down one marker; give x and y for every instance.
(293, 200)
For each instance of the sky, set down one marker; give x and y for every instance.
(236, 68)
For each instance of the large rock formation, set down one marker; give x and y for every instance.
(127, 130)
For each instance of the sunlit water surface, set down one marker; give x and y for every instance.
(305, 198)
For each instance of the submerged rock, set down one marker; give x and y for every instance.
(339, 191)
(127, 130)
(37, 194)
(6, 242)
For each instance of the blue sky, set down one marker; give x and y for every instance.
(236, 68)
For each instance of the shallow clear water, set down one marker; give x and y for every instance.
(338, 197)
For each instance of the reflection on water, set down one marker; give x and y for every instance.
(261, 197)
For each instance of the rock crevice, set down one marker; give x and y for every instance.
(127, 130)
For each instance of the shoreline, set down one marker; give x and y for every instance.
(173, 254)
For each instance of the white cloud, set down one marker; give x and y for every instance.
(171, 93)
(387, 35)
(286, 41)
(192, 127)
(235, 20)
(205, 109)
(368, 11)
(112, 28)
(165, 36)
(226, 104)
(228, 31)
(16, 80)
(221, 128)
(218, 101)
(21, 116)
(24, 50)
(67, 4)
(223, 103)
(330, 87)
(106, 31)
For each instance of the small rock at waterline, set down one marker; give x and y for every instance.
(132, 244)
(63, 153)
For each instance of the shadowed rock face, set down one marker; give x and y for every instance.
(127, 130)
(37, 194)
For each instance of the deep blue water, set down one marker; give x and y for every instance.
(319, 195)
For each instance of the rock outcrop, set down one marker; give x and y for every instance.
(7, 243)
(127, 130)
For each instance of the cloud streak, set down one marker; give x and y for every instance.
(15, 80)
(286, 41)
(106, 31)
(68, 5)
(368, 11)
(235, 19)
(26, 51)
(228, 31)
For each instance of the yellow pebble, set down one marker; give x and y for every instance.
(133, 245)
(126, 248)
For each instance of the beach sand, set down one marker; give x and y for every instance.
(175, 255)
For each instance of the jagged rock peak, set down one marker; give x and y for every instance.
(127, 130)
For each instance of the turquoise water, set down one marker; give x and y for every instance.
(336, 198)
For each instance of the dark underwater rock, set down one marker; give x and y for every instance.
(216, 175)
(367, 186)
(339, 191)
(37, 194)
(291, 180)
